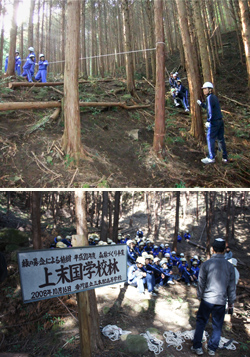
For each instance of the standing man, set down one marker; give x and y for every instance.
(6, 62)
(214, 124)
(216, 285)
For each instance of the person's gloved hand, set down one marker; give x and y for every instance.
(199, 102)
(208, 124)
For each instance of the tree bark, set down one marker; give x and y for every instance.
(36, 220)
(88, 314)
(71, 140)
(245, 31)
(159, 131)
(116, 215)
(12, 48)
(128, 48)
(30, 28)
(176, 228)
(197, 127)
(104, 222)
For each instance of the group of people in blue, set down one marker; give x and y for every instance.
(151, 266)
(29, 66)
(178, 91)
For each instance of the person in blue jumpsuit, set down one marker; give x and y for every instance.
(182, 93)
(187, 236)
(6, 62)
(183, 269)
(140, 249)
(179, 237)
(194, 272)
(131, 254)
(214, 124)
(18, 64)
(28, 68)
(173, 84)
(42, 69)
(139, 233)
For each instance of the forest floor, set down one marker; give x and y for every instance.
(50, 327)
(119, 142)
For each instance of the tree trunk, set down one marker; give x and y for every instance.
(71, 140)
(83, 41)
(116, 215)
(104, 222)
(208, 226)
(197, 127)
(30, 28)
(245, 31)
(150, 14)
(36, 220)
(233, 217)
(228, 218)
(88, 314)
(204, 55)
(63, 35)
(12, 48)
(128, 48)
(100, 28)
(176, 228)
(148, 205)
(2, 14)
(159, 131)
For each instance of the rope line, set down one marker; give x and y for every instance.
(108, 55)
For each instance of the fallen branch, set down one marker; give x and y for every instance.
(43, 121)
(197, 245)
(73, 177)
(45, 105)
(46, 168)
(235, 101)
(57, 90)
(13, 85)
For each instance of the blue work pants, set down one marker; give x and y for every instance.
(41, 76)
(216, 131)
(218, 313)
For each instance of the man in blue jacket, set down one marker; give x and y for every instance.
(42, 69)
(214, 124)
(216, 285)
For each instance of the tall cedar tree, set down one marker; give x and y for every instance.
(36, 219)
(91, 341)
(72, 130)
(159, 133)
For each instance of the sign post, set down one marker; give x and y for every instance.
(83, 310)
(49, 273)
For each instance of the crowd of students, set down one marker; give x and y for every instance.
(150, 266)
(29, 66)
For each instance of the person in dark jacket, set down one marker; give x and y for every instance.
(216, 286)
(182, 93)
(214, 124)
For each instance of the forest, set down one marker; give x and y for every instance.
(52, 327)
(106, 116)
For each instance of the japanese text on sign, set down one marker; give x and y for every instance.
(49, 273)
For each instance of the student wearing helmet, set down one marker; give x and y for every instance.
(187, 236)
(194, 272)
(28, 68)
(182, 93)
(214, 124)
(42, 69)
(140, 249)
(195, 258)
(166, 249)
(18, 63)
(139, 233)
(59, 243)
(31, 52)
(179, 237)
(184, 273)
(131, 253)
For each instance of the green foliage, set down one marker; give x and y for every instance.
(69, 161)
(180, 185)
(103, 184)
(244, 346)
(49, 160)
(135, 115)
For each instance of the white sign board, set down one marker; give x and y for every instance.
(49, 273)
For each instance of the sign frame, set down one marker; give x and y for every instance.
(61, 252)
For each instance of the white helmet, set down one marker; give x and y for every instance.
(167, 255)
(207, 85)
(140, 260)
(233, 261)
(129, 241)
(31, 56)
(195, 257)
(41, 55)
(31, 48)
